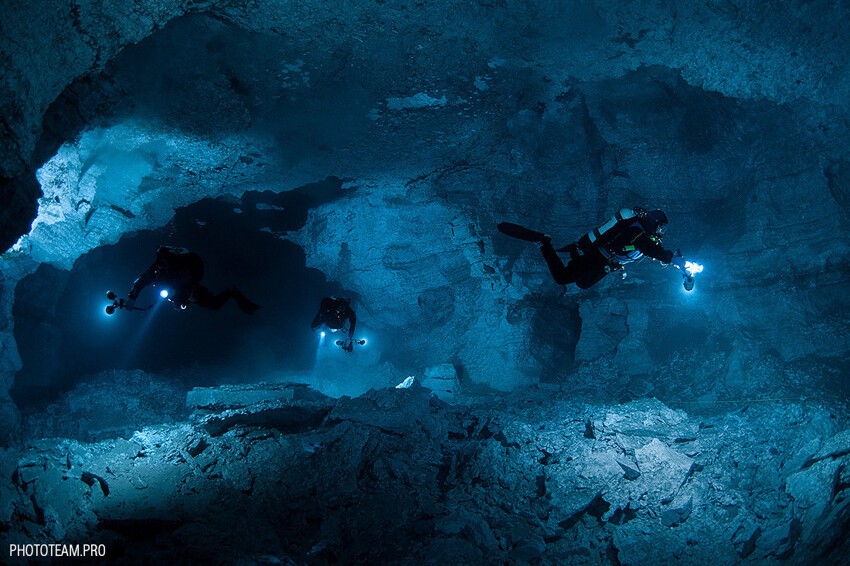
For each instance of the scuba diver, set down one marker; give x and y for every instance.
(178, 272)
(334, 313)
(627, 237)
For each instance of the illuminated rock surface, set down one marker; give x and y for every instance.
(398, 475)
(369, 150)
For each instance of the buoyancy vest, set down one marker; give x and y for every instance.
(601, 236)
(629, 256)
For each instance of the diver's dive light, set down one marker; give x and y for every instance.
(110, 309)
(348, 344)
(164, 293)
(688, 272)
(692, 268)
(121, 304)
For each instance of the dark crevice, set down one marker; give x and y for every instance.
(750, 545)
(589, 432)
(597, 148)
(794, 532)
(623, 515)
(541, 485)
(18, 206)
(90, 479)
(596, 508)
(123, 211)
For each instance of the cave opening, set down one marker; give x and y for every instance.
(63, 333)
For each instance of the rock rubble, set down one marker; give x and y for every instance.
(400, 476)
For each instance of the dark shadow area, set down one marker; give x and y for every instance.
(64, 334)
(18, 206)
(671, 334)
(206, 77)
(557, 329)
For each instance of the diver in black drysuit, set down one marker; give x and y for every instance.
(179, 271)
(627, 237)
(334, 312)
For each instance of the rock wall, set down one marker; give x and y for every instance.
(444, 55)
(447, 118)
(10, 361)
(399, 476)
(46, 46)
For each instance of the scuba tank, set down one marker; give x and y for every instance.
(599, 236)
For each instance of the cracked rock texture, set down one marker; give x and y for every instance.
(399, 476)
(45, 47)
(645, 425)
(447, 118)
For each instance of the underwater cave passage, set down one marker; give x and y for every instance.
(64, 334)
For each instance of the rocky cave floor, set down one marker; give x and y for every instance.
(282, 474)
(438, 120)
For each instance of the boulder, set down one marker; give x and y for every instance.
(229, 397)
(813, 490)
(835, 447)
(663, 471)
(442, 380)
(294, 416)
(677, 512)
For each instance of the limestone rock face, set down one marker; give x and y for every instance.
(442, 129)
(45, 50)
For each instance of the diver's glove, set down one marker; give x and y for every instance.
(677, 260)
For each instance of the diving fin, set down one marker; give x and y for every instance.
(520, 232)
